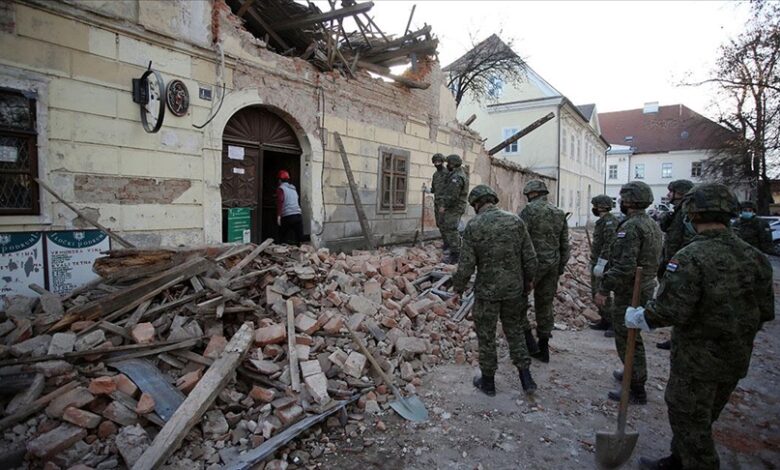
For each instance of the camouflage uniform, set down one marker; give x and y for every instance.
(716, 293)
(453, 200)
(637, 243)
(550, 236)
(755, 231)
(438, 181)
(673, 226)
(603, 238)
(497, 245)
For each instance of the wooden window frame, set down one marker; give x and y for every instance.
(697, 168)
(394, 175)
(30, 138)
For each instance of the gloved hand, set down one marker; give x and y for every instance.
(635, 318)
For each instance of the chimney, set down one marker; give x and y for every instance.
(651, 107)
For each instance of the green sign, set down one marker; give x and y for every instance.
(239, 224)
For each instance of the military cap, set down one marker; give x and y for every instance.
(480, 191)
(535, 186)
(636, 192)
(711, 197)
(437, 157)
(680, 186)
(602, 200)
(454, 160)
(748, 205)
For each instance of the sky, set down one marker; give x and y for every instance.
(617, 54)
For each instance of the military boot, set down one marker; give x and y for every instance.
(453, 258)
(610, 333)
(618, 375)
(601, 325)
(667, 463)
(530, 343)
(636, 395)
(667, 345)
(529, 386)
(485, 384)
(544, 350)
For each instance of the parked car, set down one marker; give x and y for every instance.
(774, 224)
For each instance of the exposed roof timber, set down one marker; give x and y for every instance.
(259, 20)
(327, 16)
(399, 41)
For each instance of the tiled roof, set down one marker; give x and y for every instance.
(674, 127)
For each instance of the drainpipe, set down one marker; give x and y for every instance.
(609, 147)
(560, 106)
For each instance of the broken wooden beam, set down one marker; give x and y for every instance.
(197, 402)
(426, 47)
(254, 15)
(292, 354)
(355, 194)
(36, 406)
(520, 134)
(471, 119)
(323, 17)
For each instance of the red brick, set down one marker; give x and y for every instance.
(334, 325)
(125, 385)
(81, 325)
(274, 334)
(106, 429)
(304, 340)
(55, 441)
(215, 347)
(262, 394)
(102, 386)
(306, 324)
(120, 414)
(387, 267)
(188, 381)
(335, 299)
(289, 415)
(388, 322)
(81, 418)
(77, 397)
(145, 404)
(143, 333)
(417, 308)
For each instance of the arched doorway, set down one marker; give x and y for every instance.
(256, 144)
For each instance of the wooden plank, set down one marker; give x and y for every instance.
(420, 47)
(323, 17)
(256, 16)
(235, 270)
(522, 133)
(137, 315)
(292, 351)
(470, 120)
(199, 400)
(36, 406)
(91, 221)
(117, 330)
(244, 8)
(355, 194)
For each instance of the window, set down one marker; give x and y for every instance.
(393, 183)
(578, 199)
(565, 143)
(579, 150)
(514, 147)
(18, 154)
(666, 170)
(571, 147)
(639, 171)
(495, 87)
(613, 172)
(571, 198)
(696, 169)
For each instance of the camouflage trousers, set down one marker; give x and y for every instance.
(438, 217)
(693, 406)
(605, 312)
(513, 322)
(448, 226)
(545, 286)
(639, 372)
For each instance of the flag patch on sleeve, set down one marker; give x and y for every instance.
(621, 235)
(672, 265)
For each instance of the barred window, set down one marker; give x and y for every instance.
(696, 169)
(394, 181)
(18, 154)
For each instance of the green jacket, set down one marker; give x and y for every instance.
(603, 237)
(497, 245)
(438, 181)
(637, 243)
(675, 235)
(454, 193)
(716, 292)
(755, 231)
(549, 233)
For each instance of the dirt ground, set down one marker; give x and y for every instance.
(556, 428)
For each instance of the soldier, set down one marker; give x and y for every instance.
(550, 237)
(676, 236)
(497, 244)
(453, 205)
(752, 229)
(603, 237)
(438, 181)
(716, 294)
(637, 243)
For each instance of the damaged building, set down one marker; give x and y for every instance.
(250, 88)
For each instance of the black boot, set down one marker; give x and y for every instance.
(530, 343)
(486, 385)
(667, 345)
(610, 333)
(601, 325)
(636, 395)
(667, 463)
(618, 375)
(453, 258)
(544, 350)
(529, 386)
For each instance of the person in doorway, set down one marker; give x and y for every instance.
(675, 235)
(438, 181)
(288, 211)
(453, 205)
(637, 243)
(497, 245)
(603, 237)
(716, 294)
(550, 236)
(752, 229)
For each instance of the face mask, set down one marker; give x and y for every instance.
(747, 215)
(689, 227)
(596, 212)
(450, 167)
(438, 166)
(623, 209)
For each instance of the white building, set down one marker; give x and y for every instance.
(568, 148)
(657, 145)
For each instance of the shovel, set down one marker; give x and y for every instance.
(614, 449)
(410, 408)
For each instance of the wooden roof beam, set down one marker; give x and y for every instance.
(322, 17)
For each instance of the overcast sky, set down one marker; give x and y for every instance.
(618, 55)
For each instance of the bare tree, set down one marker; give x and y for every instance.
(747, 82)
(483, 70)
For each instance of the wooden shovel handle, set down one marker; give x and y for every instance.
(371, 359)
(628, 361)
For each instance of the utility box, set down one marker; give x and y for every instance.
(239, 225)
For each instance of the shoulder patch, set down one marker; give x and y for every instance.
(621, 235)
(609, 222)
(672, 265)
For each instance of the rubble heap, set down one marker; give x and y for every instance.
(99, 376)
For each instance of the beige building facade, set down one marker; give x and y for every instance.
(73, 62)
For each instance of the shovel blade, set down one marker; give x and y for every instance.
(410, 408)
(614, 449)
